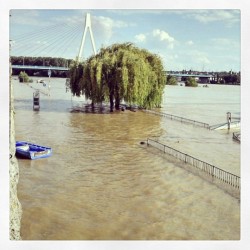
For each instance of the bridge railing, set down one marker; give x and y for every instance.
(178, 118)
(39, 67)
(214, 172)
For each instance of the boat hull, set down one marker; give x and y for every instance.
(32, 151)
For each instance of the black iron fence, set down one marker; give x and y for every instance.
(214, 172)
(178, 118)
(236, 137)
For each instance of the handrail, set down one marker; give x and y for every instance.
(236, 136)
(179, 118)
(226, 177)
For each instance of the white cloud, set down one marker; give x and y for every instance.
(199, 57)
(215, 15)
(192, 58)
(163, 36)
(190, 43)
(109, 23)
(157, 37)
(203, 60)
(140, 38)
(225, 43)
(208, 16)
(104, 27)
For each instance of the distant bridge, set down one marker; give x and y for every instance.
(32, 67)
(190, 75)
(203, 78)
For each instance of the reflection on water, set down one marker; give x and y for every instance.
(101, 183)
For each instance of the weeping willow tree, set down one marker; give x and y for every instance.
(121, 72)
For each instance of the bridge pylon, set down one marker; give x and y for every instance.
(87, 27)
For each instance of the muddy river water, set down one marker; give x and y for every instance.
(101, 183)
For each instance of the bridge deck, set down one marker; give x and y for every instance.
(190, 75)
(39, 67)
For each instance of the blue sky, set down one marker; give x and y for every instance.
(201, 39)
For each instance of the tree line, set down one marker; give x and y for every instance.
(227, 78)
(219, 77)
(40, 61)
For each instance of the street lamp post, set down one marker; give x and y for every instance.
(49, 74)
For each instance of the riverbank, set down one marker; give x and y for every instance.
(15, 205)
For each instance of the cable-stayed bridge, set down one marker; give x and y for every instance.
(58, 40)
(204, 77)
(61, 40)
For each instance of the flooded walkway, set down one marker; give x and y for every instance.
(101, 183)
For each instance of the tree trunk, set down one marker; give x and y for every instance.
(92, 106)
(111, 100)
(117, 102)
(117, 97)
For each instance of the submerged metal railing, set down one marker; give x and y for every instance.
(179, 118)
(214, 172)
(236, 137)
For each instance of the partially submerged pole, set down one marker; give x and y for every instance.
(36, 100)
(229, 118)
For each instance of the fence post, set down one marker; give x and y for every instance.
(36, 100)
(212, 172)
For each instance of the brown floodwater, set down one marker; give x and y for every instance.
(102, 184)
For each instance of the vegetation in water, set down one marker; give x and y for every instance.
(121, 72)
(191, 82)
(23, 77)
(171, 80)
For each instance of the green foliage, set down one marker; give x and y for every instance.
(171, 80)
(120, 72)
(75, 73)
(231, 78)
(23, 77)
(40, 61)
(191, 82)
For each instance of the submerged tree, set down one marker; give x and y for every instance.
(120, 72)
(171, 80)
(191, 82)
(23, 77)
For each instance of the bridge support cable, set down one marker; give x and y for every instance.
(37, 38)
(52, 39)
(24, 39)
(58, 41)
(69, 43)
(61, 42)
(41, 43)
